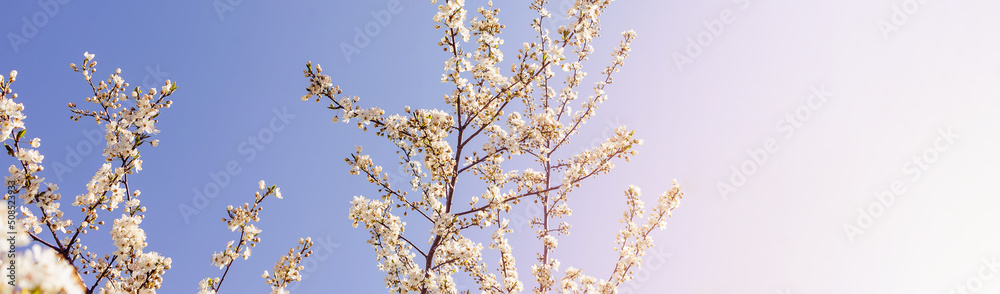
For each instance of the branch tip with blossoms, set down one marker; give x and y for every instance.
(240, 218)
(287, 269)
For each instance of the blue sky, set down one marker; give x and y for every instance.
(898, 79)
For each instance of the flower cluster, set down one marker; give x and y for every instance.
(43, 270)
(127, 235)
(10, 111)
(527, 113)
(286, 270)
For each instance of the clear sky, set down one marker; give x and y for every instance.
(784, 121)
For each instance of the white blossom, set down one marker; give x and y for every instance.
(44, 271)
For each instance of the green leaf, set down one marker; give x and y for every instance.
(10, 151)
(20, 134)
